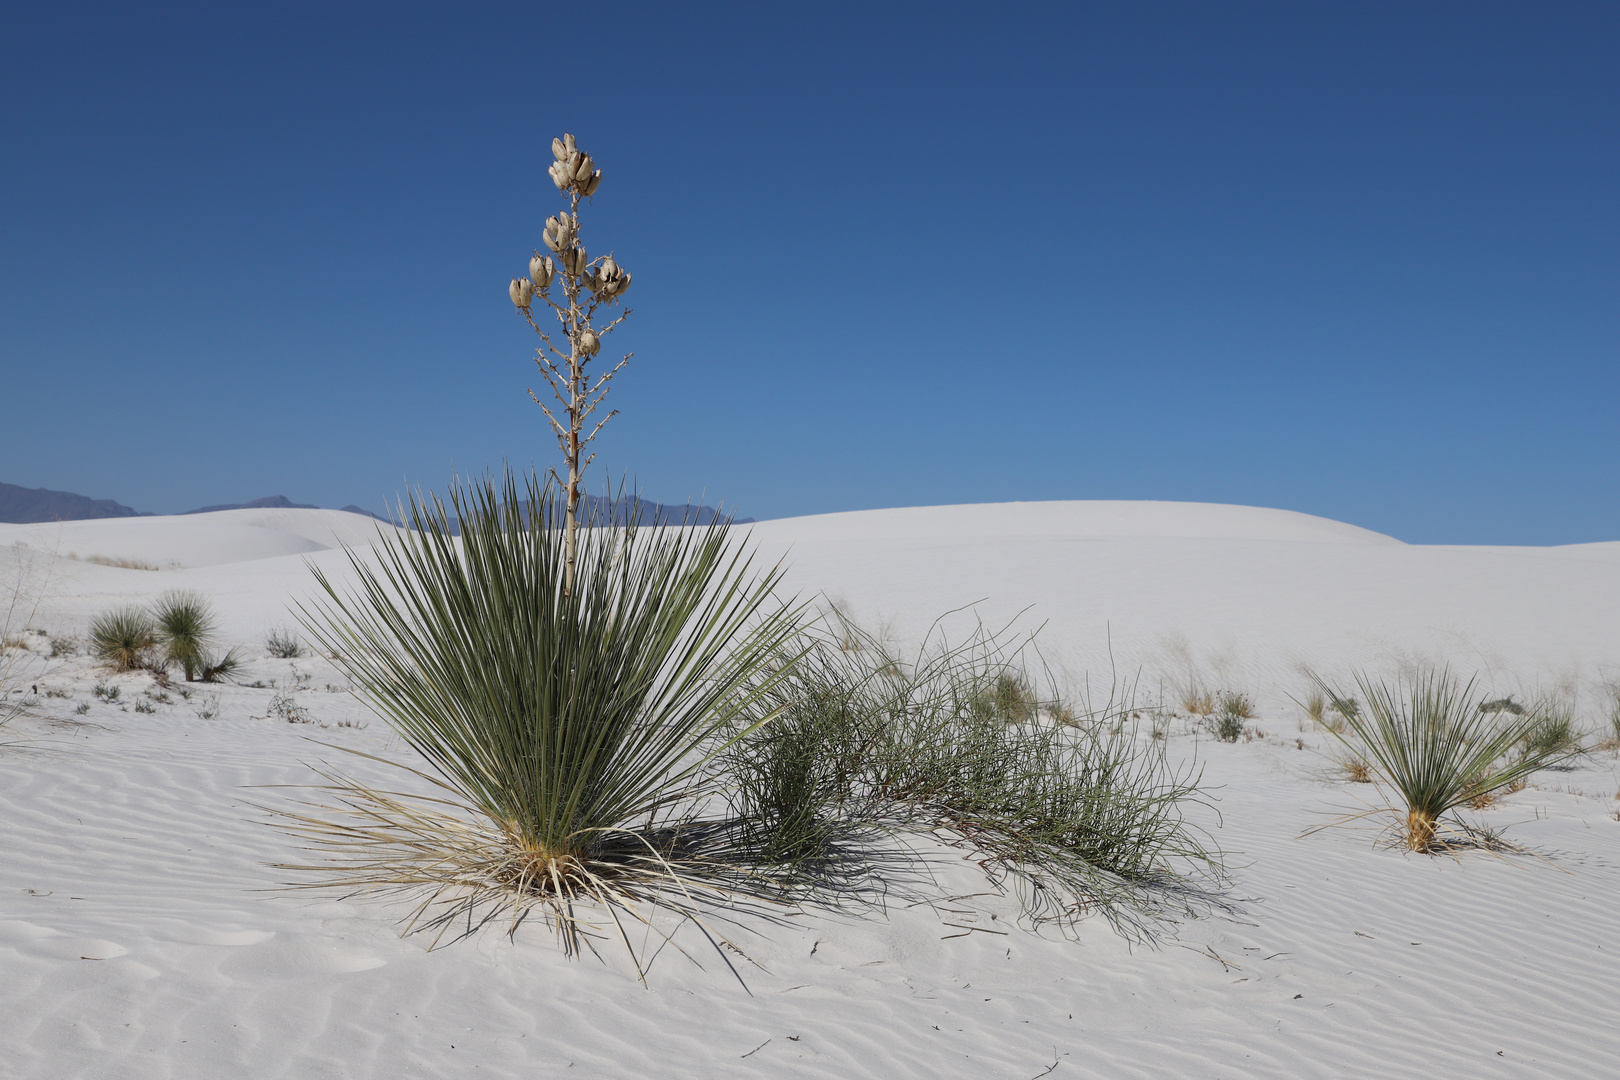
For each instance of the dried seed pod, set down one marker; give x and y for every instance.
(557, 149)
(522, 293)
(591, 184)
(540, 271)
(568, 143)
(589, 343)
(559, 175)
(582, 167)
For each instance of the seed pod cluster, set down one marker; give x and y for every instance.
(609, 281)
(573, 170)
(522, 293)
(541, 269)
(574, 261)
(560, 231)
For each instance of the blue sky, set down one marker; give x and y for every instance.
(1360, 260)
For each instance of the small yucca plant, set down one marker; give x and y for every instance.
(185, 628)
(565, 725)
(1436, 748)
(123, 637)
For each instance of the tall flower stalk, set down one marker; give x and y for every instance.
(586, 285)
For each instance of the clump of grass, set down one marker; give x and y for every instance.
(105, 691)
(1088, 816)
(65, 645)
(209, 707)
(142, 705)
(1356, 770)
(123, 637)
(566, 718)
(119, 563)
(1234, 709)
(1196, 700)
(185, 630)
(1435, 749)
(1315, 706)
(81, 708)
(1009, 698)
(1554, 732)
(283, 644)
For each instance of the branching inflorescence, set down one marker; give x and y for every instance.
(586, 284)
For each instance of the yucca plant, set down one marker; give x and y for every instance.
(185, 628)
(566, 728)
(123, 637)
(1432, 745)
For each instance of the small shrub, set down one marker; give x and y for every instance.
(105, 692)
(66, 645)
(1236, 704)
(57, 692)
(161, 698)
(209, 708)
(1197, 701)
(144, 706)
(1228, 727)
(82, 708)
(123, 637)
(1502, 705)
(1356, 771)
(285, 707)
(283, 644)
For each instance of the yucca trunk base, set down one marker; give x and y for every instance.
(1420, 830)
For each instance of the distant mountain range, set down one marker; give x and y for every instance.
(23, 506)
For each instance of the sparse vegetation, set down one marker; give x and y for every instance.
(81, 709)
(1085, 815)
(1435, 749)
(116, 562)
(283, 644)
(1197, 701)
(284, 706)
(1554, 733)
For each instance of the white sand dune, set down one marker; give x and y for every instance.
(141, 934)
